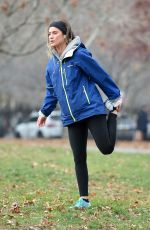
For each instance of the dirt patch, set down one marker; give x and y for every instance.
(64, 142)
(134, 144)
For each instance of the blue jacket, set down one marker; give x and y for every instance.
(71, 80)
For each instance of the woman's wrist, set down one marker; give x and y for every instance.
(41, 114)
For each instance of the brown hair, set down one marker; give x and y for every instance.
(65, 28)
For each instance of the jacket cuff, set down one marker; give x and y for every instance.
(41, 114)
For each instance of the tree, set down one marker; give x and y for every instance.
(18, 17)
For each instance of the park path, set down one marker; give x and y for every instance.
(121, 146)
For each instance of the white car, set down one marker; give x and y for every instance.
(29, 128)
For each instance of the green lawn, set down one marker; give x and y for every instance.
(37, 185)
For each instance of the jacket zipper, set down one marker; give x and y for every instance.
(65, 76)
(61, 70)
(86, 94)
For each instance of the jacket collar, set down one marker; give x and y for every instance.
(69, 50)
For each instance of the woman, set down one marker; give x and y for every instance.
(71, 78)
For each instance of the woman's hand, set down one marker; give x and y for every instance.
(41, 121)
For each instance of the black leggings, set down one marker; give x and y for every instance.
(104, 133)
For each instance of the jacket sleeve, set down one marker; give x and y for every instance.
(50, 99)
(97, 74)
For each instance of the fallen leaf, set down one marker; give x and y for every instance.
(15, 186)
(35, 228)
(10, 222)
(13, 223)
(133, 226)
(135, 205)
(112, 227)
(29, 202)
(15, 208)
(106, 208)
(34, 164)
(47, 222)
(137, 190)
(49, 207)
(92, 194)
(39, 192)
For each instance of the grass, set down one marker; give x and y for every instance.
(37, 185)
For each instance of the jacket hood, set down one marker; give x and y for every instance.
(71, 47)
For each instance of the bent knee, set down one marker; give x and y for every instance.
(108, 150)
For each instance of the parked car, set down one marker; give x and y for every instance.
(126, 127)
(29, 128)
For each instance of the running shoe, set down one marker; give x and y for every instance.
(81, 204)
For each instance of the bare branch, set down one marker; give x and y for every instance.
(12, 31)
(15, 54)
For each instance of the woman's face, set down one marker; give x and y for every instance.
(55, 37)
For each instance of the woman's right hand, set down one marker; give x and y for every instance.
(41, 121)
